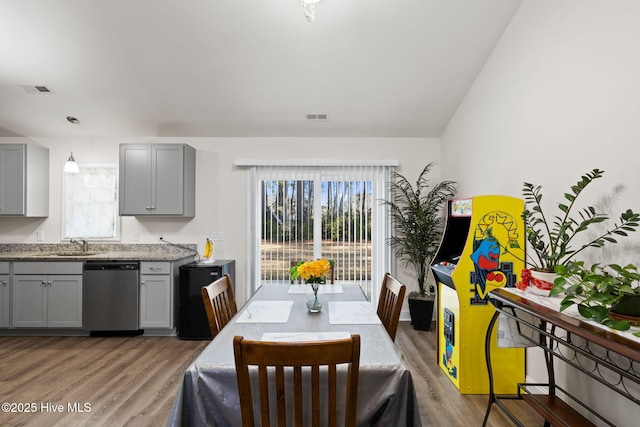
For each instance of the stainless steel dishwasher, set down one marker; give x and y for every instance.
(111, 297)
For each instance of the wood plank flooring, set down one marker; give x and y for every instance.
(132, 381)
(440, 402)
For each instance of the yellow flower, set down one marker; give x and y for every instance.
(311, 271)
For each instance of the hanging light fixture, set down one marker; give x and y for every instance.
(308, 6)
(71, 166)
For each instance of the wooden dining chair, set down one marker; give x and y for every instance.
(295, 370)
(390, 303)
(219, 303)
(331, 275)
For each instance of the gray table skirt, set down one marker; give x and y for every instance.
(208, 395)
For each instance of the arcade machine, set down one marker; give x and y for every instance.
(482, 248)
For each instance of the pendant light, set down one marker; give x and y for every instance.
(309, 8)
(71, 166)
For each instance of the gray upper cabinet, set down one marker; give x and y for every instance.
(24, 180)
(157, 179)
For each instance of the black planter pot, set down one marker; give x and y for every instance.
(628, 308)
(421, 311)
(629, 305)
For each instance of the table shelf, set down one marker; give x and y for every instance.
(552, 408)
(601, 354)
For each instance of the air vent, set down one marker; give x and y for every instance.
(37, 89)
(318, 117)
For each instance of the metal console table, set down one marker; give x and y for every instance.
(603, 355)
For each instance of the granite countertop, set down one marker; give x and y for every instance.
(97, 251)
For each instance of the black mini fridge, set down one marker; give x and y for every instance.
(192, 318)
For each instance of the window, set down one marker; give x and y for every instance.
(90, 203)
(333, 211)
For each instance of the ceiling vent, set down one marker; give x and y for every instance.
(37, 89)
(321, 117)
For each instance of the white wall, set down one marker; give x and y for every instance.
(221, 200)
(560, 95)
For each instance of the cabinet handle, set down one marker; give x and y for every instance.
(142, 282)
(155, 268)
(44, 282)
(49, 283)
(4, 282)
(214, 273)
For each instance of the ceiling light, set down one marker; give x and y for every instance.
(308, 6)
(71, 166)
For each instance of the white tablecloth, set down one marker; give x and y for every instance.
(208, 395)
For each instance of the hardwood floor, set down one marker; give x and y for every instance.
(132, 381)
(440, 402)
(125, 380)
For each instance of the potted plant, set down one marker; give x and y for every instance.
(608, 294)
(416, 213)
(552, 237)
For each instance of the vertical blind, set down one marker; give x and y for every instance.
(331, 211)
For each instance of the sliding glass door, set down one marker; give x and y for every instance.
(321, 212)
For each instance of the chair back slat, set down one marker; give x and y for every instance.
(390, 303)
(297, 394)
(301, 369)
(219, 303)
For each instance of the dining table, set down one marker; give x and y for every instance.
(208, 395)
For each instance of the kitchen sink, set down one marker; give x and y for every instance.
(69, 254)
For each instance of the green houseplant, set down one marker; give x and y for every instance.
(608, 294)
(552, 237)
(416, 213)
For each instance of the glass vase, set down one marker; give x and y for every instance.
(314, 302)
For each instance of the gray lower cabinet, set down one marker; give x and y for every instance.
(47, 300)
(156, 295)
(5, 278)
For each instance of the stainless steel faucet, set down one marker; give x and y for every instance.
(83, 243)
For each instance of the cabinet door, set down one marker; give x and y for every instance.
(64, 305)
(167, 182)
(135, 179)
(29, 301)
(4, 301)
(155, 301)
(12, 180)
(157, 179)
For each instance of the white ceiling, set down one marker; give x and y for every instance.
(378, 68)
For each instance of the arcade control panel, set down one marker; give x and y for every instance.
(444, 269)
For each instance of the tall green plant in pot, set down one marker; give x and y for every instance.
(416, 213)
(552, 236)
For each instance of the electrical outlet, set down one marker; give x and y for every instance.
(136, 236)
(40, 236)
(217, 237)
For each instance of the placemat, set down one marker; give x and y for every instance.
(266, 312)
(304, 336)
(352, 313)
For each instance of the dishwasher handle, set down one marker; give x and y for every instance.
(111, 265)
